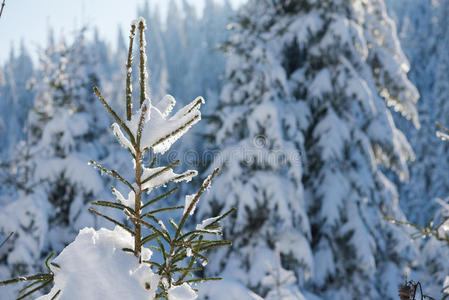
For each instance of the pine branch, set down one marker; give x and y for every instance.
(41, 276)
(163, 170)
(111, 173)
(181, 270)
(198, 102)
(216, 244)
(149, 238)
(115, 116)
(428, 230)
(111, 220)
(36, 289)
(162, 196)
(196, 233)
(112, 205)
(153, 218)
(162, 250)
(186, 271)
(199, 255)
(175, 132)
(154, 228)
(43, 279)
(141, 122)
(162, 209)
(143, 58)
(199, 280)
(29, 286)
(221, 218)
(187, 174)
(129, 73)
(204, 186)
(208, 229)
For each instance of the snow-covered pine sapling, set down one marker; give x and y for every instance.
(146, 133)
(151, 131)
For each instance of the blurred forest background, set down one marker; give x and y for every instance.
(51, 125)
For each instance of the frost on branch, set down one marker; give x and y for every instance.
(162, 131)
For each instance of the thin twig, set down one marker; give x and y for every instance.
(143, 60)
(204, 186)
(441, 127)
(114, 115)
(110, 220)
(11, 234)
(1, 9)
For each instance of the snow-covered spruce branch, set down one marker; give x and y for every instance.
(36, 282)
(439, 231)
(80, 269)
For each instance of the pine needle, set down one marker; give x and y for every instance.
(162, 196)
(115, 116)
(163, 170)
(110, 220)
(111, 173)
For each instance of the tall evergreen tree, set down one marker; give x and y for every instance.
(315, 78)
(422, 31)
(207, 63)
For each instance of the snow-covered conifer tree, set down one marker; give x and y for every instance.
(315, 78)
(258, 133)
(206, 66)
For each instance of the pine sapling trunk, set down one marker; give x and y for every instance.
(137, 215)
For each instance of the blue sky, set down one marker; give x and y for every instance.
(29, 20)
